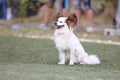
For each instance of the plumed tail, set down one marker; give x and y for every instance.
(91, 59)
(94, 59)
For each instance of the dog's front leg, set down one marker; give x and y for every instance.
(61, 57)
(71, 58)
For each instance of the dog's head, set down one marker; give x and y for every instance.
(70, 21)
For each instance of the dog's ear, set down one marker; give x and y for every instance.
(60, 14)
(71, 20)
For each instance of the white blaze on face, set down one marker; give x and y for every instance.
(61, 22)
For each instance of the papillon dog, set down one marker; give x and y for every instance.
(68, 45)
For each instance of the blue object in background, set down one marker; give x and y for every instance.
(4, 9)
(65, 4)
(16, 25)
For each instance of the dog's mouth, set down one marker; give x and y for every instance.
(59, 26)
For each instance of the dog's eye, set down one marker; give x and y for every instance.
(60, 21)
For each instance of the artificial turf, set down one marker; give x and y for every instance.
(36, 59)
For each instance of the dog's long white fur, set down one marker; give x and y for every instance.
(69, 46)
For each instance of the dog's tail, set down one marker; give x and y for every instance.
(91, 59)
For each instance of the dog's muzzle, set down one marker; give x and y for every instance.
(58, 26)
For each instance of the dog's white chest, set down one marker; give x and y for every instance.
(61, 40)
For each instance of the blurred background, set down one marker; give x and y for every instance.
(37, 17)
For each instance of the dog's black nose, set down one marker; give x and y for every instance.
(55, 23)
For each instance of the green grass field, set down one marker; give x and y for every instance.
(36, 59)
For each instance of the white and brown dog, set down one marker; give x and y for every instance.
(68, 45)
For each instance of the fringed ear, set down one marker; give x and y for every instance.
(71, 20)
(75, 19)
(60, 14)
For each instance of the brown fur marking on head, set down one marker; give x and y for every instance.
(60, 14)
(71, 21)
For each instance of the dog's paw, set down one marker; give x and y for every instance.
(61, 62)
(82, 63)
(71, 63)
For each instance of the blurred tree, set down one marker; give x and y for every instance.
(32, 8)
(19, 6)
(114, 2)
